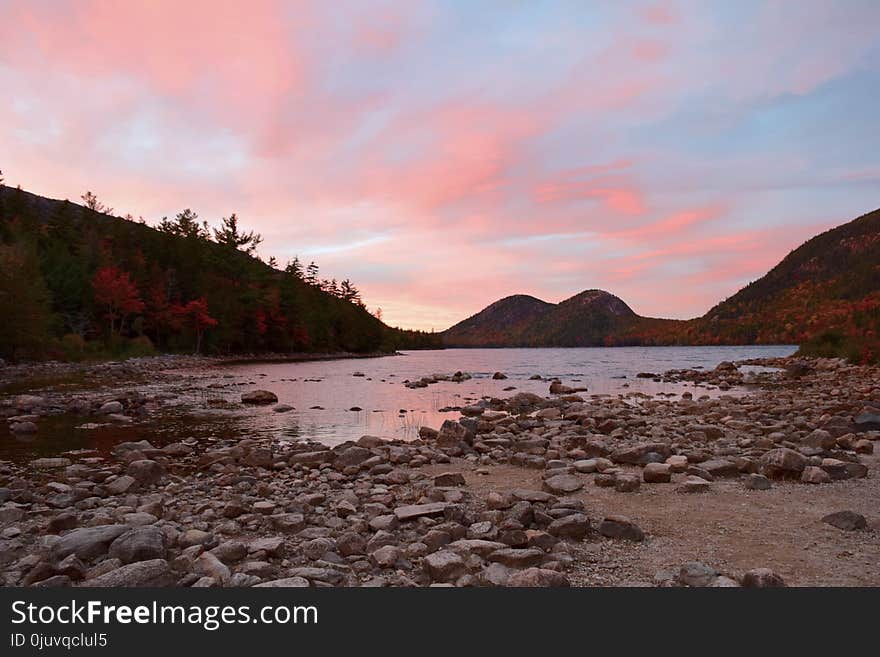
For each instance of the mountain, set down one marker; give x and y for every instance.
(499, 324)
(76, 282)
(591, 318)
(824, 296)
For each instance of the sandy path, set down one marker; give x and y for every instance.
(729, 528)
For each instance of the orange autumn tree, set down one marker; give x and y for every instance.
(117, 294)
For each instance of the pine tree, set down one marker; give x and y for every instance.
(229, 235)
(312, 274)
(295, 268)
(92, 203)
(185, 224)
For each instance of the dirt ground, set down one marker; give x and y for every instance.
(729, 527)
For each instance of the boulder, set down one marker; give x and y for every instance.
(537, 577)
(782, 463)
(414, 511)
(846, 520)
(756, 481)
(259, 397)
(621, 527)
(155, 572)
(453, 433)
(562, 484)
(444, 566)
(762, 578)
(87, 542)
(286, 582)
(695, 573)
(145, 472)
(139, 544)
(815, 475)
(657, 473)
(694, 484)
(445, 479)
(574, 526)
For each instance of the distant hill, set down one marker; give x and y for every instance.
(76, 282)
(591, 318)
(498, 325)
(825, 296)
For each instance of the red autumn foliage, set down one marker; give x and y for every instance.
(117, 293)
(198, 317)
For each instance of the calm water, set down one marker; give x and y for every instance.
(324, 392)
(389, 409)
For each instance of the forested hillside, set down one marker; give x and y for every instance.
(77, 282)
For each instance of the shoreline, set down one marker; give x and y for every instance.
(529, 490)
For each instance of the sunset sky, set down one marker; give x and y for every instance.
(445, 154)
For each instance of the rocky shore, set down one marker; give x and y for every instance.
(567, 489)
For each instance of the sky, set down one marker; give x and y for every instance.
(445, 154)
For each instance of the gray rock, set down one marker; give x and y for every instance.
(562, 484)
(287, 583)
(155, 572)
(259, 397)
(444, 566)
(762, 578)
(846, 520)
(620, 527)
(139, 544)
(783, 463)
(414, 511)
(695, 573)
(756, 481)
(87, 542)
(111, 407)
(574, 526)
(146, 472)
(538, 577)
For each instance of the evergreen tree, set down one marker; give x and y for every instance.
(185, 224)
(229, 235)
(92, 203)
(295, 268)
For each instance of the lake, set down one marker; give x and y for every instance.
(323, 392)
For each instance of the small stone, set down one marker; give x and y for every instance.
(155, 572)
(574, 526)
(762, 578)
(286, 582)
(414, 511)
(386, 556)
(694, 484)
(782, 463)
(449, 479)
(538, 577)
(657, 473)
(586, 466)
(846, 520)
(756, 481)
(620, 527)
(444, 566)
(815, 475)
(259, 397)
(626, 483)
(562, 484)
(146, 472)
(695, 573)
(139, 544)
(121, 485)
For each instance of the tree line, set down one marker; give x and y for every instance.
(77, 282)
